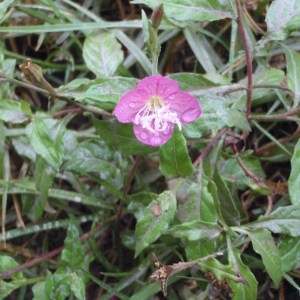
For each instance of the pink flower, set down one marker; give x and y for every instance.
(154, 106)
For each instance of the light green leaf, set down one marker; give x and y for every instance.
(284, 220)
(3, 8)
(7, 263)
(263, 243)
(283, 17)
(13, 112)
(102, 53)
(196, 230)
(174, 156)
(46, 140)
(155, 221)
(294, 180)
(73, 254)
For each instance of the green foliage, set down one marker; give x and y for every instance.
(85, 205)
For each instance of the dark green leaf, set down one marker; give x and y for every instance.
(155, 221)
(196, 230)
(121, 137)
(102, 53)
(174, 157)
(263, 243)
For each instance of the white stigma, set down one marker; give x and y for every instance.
(155, 116)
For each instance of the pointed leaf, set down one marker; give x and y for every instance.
(155, 221)
(263, 243)
(73, 254)
(102, 53)
(241, 290)
(174, 157)
(284, 220)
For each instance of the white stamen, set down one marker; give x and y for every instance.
(155, 116)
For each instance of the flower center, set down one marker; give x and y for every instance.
(155, 116)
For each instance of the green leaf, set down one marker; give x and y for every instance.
(217, 113)
(219, 270)
(102, 53)
(3, 8)
(95, 156)
(263, 243)
(13, 111)
(294, 180)
(7, 263)
(39, 292)
(191, 81)
(197, 10)
(155, 221)
(77, 286)
(174, 156)
(293, 71)
(284, 220)
(241, 290)
(188, 196)
(196, 230)
(103, 93)
(121, 137)
(73, 254)
(44, 176)
(48, 146)
(283, 17)
(289, 248)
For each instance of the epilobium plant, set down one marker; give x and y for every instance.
(154, 107)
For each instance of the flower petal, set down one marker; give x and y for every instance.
(185, 105)
(129, 105)
(153, 139)
(158, 85)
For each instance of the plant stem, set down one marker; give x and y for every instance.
(248, 57)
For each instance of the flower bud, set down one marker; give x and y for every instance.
(157, 16)
(34, 74)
